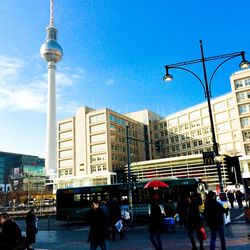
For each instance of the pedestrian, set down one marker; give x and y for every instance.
(181, 210)
(98, 231)
(214, 216)
(31, 227)
(155, 228)
(194, 221)
(104, 208)
(230, 196)
(11, 235)
(239, 196)
(115, 216)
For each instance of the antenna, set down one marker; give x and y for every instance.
(51, 13)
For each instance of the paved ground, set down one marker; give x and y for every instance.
(63, 236)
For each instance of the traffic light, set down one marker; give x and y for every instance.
(233, 167)
(157, 146)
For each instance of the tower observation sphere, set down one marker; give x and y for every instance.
(51, 51)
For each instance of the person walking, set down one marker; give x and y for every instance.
(239, 196)
(230, 196)
(181, 210)
(115, 216)
(98, 231)
(194, 221)
(31, 227)
(214, 216)
(155, 228)
(11, 235)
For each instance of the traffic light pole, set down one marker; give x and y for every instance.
(130, 194)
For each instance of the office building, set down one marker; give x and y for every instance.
(92, 146)
(20, 177)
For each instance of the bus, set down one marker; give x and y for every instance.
(73, 203)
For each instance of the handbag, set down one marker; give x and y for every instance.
(201, 233)
(119, 225)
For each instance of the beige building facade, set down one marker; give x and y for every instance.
(92, 145)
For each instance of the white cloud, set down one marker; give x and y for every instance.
(17, 94)
(9, 67)
(110, 82)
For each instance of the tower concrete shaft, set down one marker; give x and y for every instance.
(51, 131)
(51, 52)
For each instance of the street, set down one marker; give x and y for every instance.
(73, 236)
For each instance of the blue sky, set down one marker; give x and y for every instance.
(114, 56)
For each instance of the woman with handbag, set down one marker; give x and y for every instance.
(194, 221)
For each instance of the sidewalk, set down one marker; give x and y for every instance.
(137, 239)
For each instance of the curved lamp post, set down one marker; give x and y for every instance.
(206, 85)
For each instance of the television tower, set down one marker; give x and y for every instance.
(52, 53)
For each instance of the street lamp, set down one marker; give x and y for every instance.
(130, 195)
(207, 87)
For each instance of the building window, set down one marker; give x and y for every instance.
(194, 115)
(183, 119)
(112, 118)
(206, 121)
(173, 122)
(97, 118)
(65, 163)
(66, 153)
(247, 149)
(66, 135)
(231, 103)
(97, 158)
(222, 127)
(221, 106)
(245, 122)
(65, 144)
(66, 125)
(246, 135)
(98, 148)
(97, 138)
(240, 96)
(221, 117)
(100, 181)
(238, 84)
(121, 121)
(247, 82)
(97, 128)
(243, 109)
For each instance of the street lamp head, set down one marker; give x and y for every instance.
(244, 63)
(167, 77)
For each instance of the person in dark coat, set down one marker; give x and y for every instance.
(194, 221)
(214, 216)
(230, 196)
(98, 231)
(239, 196)
(115, 216)
(31, 227)
(155, 228)
(182, 210)
(11, 234)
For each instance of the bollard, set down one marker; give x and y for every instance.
(68, 221)
(48, 222)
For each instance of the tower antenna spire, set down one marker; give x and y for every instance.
(51, 13)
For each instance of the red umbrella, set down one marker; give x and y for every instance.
(155, 184)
